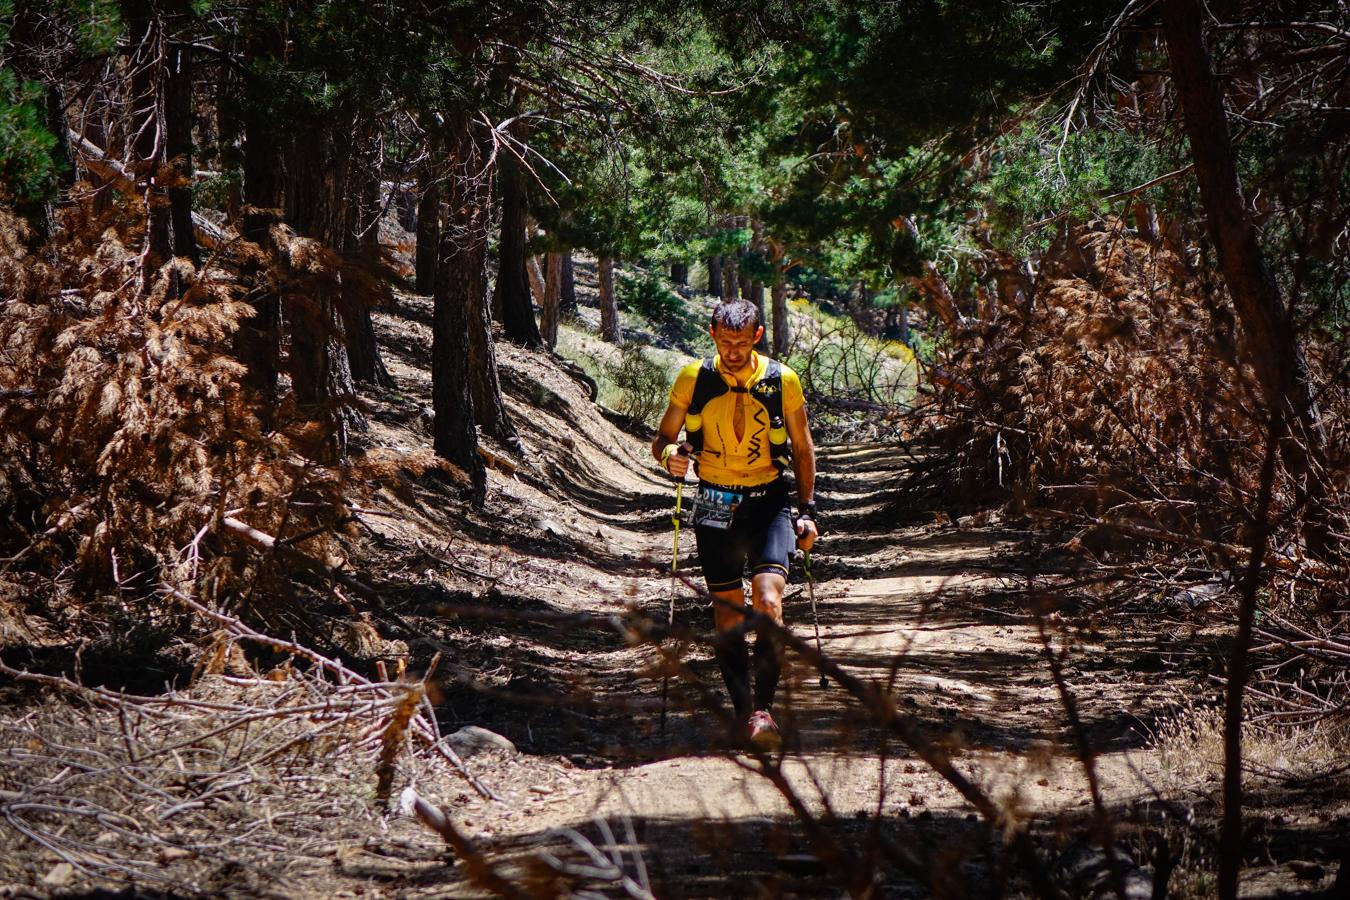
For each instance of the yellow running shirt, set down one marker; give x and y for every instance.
(725, 460)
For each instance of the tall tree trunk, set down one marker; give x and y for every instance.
(609, 303)
(752, 289)
(1272, 349)
(511, 300)
(363, 239)
(715, 276)
(317, 199)
(1145, 220)
(318, 176)
(321, 376)
(257, 340)
(731, 281)
(781, 333)
(569, 286)
(489, 406)
(454, 436)
(363, 349)
(405, 204)
(551, 307)
(428, 229)
(757, 298)
(60, 129)
(147, 63)
(178, 145)
(679, 272)
(64, 158)
(372, 206)
(535, 269)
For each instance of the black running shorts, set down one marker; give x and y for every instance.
(760, 534)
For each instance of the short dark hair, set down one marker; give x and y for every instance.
(736, 315)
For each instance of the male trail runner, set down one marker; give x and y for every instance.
(739, 410)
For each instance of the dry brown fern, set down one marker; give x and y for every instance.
(1118, 393)
(127, 431)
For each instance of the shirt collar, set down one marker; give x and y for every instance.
(757, 367)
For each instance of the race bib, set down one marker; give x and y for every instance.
(715, 507)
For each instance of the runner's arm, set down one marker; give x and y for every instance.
(804, 464)
(803, 455)
(669, 433)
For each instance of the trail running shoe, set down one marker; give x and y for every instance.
(764, 732)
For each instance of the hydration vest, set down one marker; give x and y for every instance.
(768, 391)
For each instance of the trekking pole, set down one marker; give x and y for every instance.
(674, 568)
(815, 618)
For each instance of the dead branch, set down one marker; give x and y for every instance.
(479, 869)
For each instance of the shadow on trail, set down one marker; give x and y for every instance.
(714, 856)
(580, 691)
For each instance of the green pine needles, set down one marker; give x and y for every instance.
(1039, 175)
(27, 166)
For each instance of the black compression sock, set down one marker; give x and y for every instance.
(733, 657)
(767, 669)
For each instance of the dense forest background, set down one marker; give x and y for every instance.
(1107, 240)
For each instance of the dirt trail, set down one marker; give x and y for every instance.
(909, 600)
(971, 675)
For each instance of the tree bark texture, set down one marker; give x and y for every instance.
(363, 349)
(534, 267)
(715, 276)
(321, 376)
(781, 332)
(488, 404)
(731, 280)
(569, 286)
(428, 230)
(178, 145)
(147, 62)
(550, 311)
(318, 170)
(317, 205)
(453, 434)
(752, 289)
(609, 303)
(405, 205)
(258, 338)
(511, 300)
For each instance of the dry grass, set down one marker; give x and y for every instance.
(241, 780)
(1189, 746)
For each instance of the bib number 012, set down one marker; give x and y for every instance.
(715, 507)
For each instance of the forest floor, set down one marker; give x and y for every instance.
(931, 604)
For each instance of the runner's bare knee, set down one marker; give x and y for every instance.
(767, 589)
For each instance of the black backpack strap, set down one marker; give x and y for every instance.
(708, 385)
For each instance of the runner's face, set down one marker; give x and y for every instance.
(735, 346)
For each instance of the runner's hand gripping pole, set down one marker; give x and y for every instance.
(672, 450)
